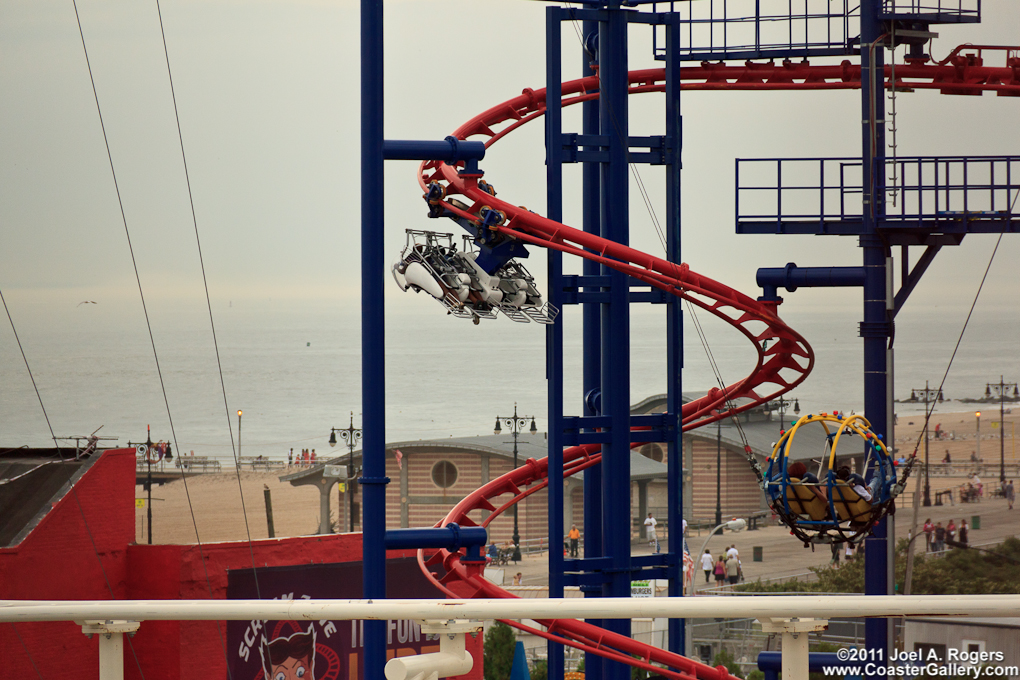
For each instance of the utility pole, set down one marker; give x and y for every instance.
(1000, 390)
(718, 472)
(351, 436)
(927, 396)
(516, 423)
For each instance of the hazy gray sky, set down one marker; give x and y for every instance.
(268, 98)
(269, 108)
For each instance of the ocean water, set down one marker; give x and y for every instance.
(294, 370)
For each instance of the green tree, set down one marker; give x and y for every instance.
(540, 671)
(498, 652)
(960, 571)
(724, 658)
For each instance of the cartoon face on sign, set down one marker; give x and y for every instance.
(289, 658)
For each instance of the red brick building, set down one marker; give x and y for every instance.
(67, 533)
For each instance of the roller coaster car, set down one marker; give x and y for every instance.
(430, 262)
(849, 505)
(831, 510)
(806, 501)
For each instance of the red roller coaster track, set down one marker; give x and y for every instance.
(782, 366)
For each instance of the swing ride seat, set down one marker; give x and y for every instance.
(849, 505)
(803, 499)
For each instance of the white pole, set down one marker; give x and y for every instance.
(111, 656)
(795, 643)
(111, 645)
(762, 606)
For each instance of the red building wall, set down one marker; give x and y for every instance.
(57, 561)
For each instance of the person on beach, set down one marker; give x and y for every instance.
(964, 533)
(720, 571)
(1010, 494)
(575, 538)
(940, 538)
(951, 531)
(733, 570)
(517, 578)
(929, 529)
(707, 563)
(653, 539)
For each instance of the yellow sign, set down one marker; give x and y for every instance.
(139, 502)
(343, 487)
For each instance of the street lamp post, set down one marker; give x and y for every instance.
(516, 423)
(351, 436)
(977, 437)
(718, 472)
(1000, 390)
(782, 405)
(238, 439)
(927, 396)
(149, 453)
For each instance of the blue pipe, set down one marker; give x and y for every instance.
(615, 176)
(450, 150)
(674, 333)
(772, 662)
(591, 331)
(791, 277)
(373, 337)
(554, 332)
(875, 328)
(452, 537)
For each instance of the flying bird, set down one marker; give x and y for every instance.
(87, 302)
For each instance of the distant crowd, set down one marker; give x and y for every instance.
(306, 458)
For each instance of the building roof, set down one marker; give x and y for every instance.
(31, 482)
(502, 445)
(760, 427)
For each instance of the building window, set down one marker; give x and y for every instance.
(444, 474)
(652, 451)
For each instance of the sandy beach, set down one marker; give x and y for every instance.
(213, 502)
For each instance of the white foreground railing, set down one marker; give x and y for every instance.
(759, 606)
(792, 616)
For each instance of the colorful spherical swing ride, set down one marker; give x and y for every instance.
(834, 504)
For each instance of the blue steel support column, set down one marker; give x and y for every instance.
(373, 367)
(554, 332)
(615, 322)
(674, 330)
(874, 329)
(591, 333)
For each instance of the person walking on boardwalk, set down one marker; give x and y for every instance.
(707, 563)
(575, 537)
(653, 538)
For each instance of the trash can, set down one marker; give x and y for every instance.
(975, 522)
(757, 550)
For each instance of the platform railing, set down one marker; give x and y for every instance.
(960, 194)
(936, 11)
(756, 29)
(789, 615)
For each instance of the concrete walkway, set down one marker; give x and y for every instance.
(784, 556)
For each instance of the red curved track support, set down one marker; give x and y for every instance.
(778, 369)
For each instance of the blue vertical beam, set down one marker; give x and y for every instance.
(615, 179)
(674, 329)
(373, 366)
(554, 332)
(591, 331)
(874, 330)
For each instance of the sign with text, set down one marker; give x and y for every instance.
(642, 588)
(325, 650)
